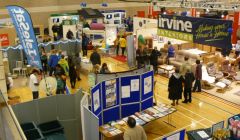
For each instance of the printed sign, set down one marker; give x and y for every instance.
(212, 32)
(23, 24)
(4, 40)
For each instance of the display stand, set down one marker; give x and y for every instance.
(122, 96)
(147, 90)
(180, 135)
(130, 95)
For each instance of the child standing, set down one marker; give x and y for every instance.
(60, 84)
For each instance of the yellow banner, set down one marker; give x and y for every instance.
(176, 35)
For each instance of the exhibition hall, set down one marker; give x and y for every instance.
(120, 70)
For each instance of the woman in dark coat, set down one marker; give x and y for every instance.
(175, 87)
(72, 72)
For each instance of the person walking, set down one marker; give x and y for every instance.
(53, 61)
(198, 77)
(85, 41)
(123, 44)
(72, 72)
(188, 81)
(134, 132)
(77, 64)
(60, 84)
(44, 60)
(171, 51)
(140, 57)
(116, 44)
(34, 83)
(95, 57)
(64, 64)
(175, 87)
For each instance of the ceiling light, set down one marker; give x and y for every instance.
(164, 13)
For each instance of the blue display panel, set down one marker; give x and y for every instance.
(110, 93)
(147, 83)
(111, 114)
(128, 110)
(176, 136)
(147, 103)
(96, 94)
(133, 82)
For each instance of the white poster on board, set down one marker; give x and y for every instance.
(135, 85)
(147, 84)
(126, 92)
(96, 100)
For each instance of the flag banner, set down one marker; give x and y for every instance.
(206, 31)
(23, 24)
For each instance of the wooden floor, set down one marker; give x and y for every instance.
(204, 110)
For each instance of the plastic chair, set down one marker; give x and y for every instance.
(18, 67)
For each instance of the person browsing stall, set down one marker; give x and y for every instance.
(134, 132)
(64, 64)
(198, 77)
(104, 69)
(34, 83)
(188, 80)
(95, 57)
(123, 44)
(175, 87)
(53, 61)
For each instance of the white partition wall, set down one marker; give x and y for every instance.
(90, 122)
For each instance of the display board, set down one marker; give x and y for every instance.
(219, 125)
(122, 96)
(96, 99)
(176, 136)
(130, 89)
(110, 93)
(130, 95)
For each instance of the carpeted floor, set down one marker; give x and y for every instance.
(232, 94)
(120, 58)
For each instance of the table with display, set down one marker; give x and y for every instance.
(199, 134)
(115, 130)
(167, 69)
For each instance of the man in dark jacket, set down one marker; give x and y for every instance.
(95, 58)
(189, 78)
(85, 41)
(198, 76)
(69, 34)
(154, 58)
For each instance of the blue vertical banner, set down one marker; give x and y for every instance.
(23, 24)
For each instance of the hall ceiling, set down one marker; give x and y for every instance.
(201, 4)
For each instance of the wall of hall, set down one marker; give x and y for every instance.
(41, 18)
(41, 3)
